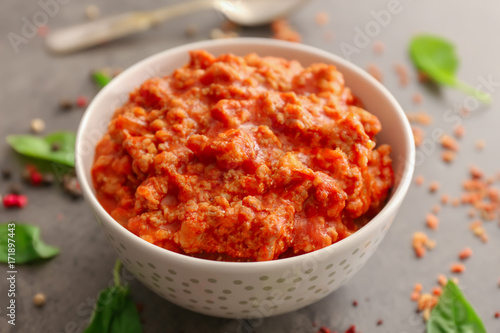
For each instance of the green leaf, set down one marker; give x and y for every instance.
(41, 148)
(101, 78)
(27, 244)
(454, 314)
(115, 312)
(436, 57)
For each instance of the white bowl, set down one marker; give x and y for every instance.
(247, 289)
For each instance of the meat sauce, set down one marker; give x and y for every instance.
(243, 159)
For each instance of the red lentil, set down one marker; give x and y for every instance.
(436, 208)
(417, 98)
(43, 30)
(442, 280)
(380, 322)
(432, 221)
(497, 314)
(419, 180)
(475, 172)
(322, 18)
(465, 253)
(351, 329)
(449, 143)
(480, 144)
(459, 131)
(284, 31)
(448, 156)
(436, 291)
(434, 186)
(457, 268)
(418, 135)
(402, 72)
(378, 47)
(445, 199)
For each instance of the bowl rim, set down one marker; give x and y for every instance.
(398, 193)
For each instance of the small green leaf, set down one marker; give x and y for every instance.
(454, 314)
(115, 312)
(436, 57)
(41, 148)
(101, 78)
(26, 244)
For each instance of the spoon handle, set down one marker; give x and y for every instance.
(97, 32)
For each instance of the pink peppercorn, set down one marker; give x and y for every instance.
(36, 178)
(15, 200)
(81, 101)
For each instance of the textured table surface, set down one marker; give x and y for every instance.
(33, 81)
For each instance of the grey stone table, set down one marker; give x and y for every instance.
(33, 81)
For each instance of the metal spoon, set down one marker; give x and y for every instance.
(243, 12)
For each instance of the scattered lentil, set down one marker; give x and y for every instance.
(378, 47)
(449, 142)
(457, 268)
(480, 144)
(465, 253)
(436, 291)
(448, 156)
(459, 131)
(322, 18)
(355, 303)
(380, 322)
(37, 125)
(445, 199)
(419, 180)
(43, 30)
(442, 280)
(402, 72)
(417, 98)
(475, 172)
(39, 299)
(375, 71)
(418, 135)
(284, 31)
(421, 243)
(434, 186)
(419, 117)
(432, 221)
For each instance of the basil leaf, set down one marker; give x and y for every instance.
(101, 79)
(454, 314)
(436, 57)
(41, 148)
(115, 312)
(27, 244)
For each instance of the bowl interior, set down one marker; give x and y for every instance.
(376, 99)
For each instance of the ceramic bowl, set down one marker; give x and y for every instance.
(250, 289)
